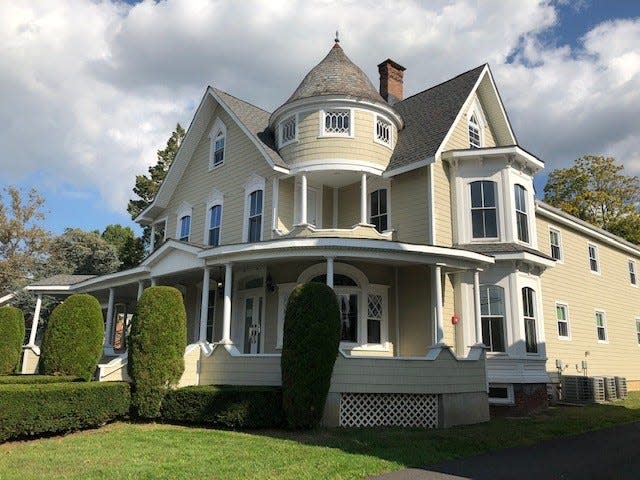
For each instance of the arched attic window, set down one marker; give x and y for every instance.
(217, 138)
(475, 140)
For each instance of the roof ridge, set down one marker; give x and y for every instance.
(445, 81)
(240, 99)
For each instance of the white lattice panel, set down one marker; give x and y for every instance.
(388, 410)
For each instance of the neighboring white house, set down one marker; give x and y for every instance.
(418, 211)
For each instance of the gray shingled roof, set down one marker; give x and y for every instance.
(336, 74)
(256, 120)
(428, 116)
(493, 248)
(59, 280)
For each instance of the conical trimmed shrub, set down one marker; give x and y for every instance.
(74, 336)
(309, 350)
(11, 338)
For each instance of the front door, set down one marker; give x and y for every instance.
(253, 324)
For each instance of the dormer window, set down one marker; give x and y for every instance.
(474, 132)
(217, 137)
(521, 213)
(383, 131)
(484, 213)
(288, 131)
(337, 122)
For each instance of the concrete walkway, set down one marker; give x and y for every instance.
(613, 453)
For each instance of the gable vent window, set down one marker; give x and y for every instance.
(288, 131)
(383, 131)
(474, 132)
(337, 122)
(217, 139)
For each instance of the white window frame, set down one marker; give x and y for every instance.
(633, 272)
(516, 187)
(604, 325)
(381, 118)
(497, 200)
(535, 317)
(375, 188)
(476, 110)
(564, 305)
(281, 141)
(184, 210)
(323, 114)
(510, 400)
(218, 127)
(596, 258)
(559, 234)
(255, 182)
(637, 324)
(505, 339)
(216, 198)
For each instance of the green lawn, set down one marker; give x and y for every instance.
(125, 450)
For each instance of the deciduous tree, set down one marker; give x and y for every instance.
(130, 248)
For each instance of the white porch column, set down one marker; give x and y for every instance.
(363, 200)
(109, 322)
(140, 288)
(476, 306)
(226, 312)
(275, 195)
(303, 200)
(204, 305)
(152, 240)
(34, 322)
(438, 325)
(330, 272)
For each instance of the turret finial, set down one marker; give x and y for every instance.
(337, 39)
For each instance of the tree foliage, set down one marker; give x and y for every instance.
(157, 342)
(82, 253)
(11, 338)
(147, 186)
(129, 247)
(309, 350)
(23, 241)
(73, 339)
(595, 189)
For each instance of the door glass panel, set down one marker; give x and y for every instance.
(258, 329)
(248, 321)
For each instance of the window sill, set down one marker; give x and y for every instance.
(215, 167)
(604, 342)
(564, 339)
(336, 135)
(384, 144)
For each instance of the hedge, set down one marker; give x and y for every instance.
(309, 350)
(11, 338)
(73, 339)
(40, 379)
(228, 406)
(157, 342)
(44, 409)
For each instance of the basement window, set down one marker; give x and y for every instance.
(501, 394)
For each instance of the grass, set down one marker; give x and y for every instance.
(127, 450)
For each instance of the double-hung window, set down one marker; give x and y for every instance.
(521, 213)
(554, 241)
(217, 139)
(484, 218)
(593, 258)
(529, 315)
(638, 329)
(185, 228)
(601, 327)
(255, 216)
(492, 314)
(562, 317)
(632, 273)
(215, 215)
(378, 204)
(374, 318)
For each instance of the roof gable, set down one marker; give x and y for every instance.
(253, 122)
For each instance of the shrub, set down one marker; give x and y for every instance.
(26, 379)
(43, 409)
(309, 350)
(11, 338)
(73, 339)
(157, 342)
(229, 406)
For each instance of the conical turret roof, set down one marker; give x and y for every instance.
(336, 74)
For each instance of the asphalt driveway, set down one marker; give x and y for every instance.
(613, 453)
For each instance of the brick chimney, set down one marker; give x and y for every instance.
(391, 87)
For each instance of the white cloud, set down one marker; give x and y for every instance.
(92, 89)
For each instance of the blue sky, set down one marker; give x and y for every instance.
(88, 103)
